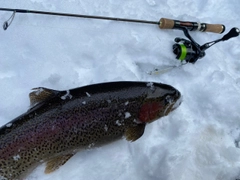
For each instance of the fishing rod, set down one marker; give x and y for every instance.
(185, 49)
(163, 23)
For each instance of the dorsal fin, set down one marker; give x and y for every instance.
(40, 94)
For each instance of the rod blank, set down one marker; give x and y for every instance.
(78, 15)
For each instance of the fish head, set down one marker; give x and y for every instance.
(160, 100)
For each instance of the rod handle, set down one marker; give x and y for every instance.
(165, 23)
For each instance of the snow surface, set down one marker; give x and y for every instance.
(199, 140)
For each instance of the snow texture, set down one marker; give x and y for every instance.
(199, 140)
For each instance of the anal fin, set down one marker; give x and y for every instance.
(55, 163)
(134, 132)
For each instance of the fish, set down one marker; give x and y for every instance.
(61, 123)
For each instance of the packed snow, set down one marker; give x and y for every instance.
(200, 140)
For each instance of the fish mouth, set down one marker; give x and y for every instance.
(177, 103)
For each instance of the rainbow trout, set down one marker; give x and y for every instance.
(59, 123)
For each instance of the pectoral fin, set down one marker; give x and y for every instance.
(134, 132)
(55, 163)
(40, 94)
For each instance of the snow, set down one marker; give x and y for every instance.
(16, 158)
(9, 125)
(67, 95)
(119, 123)
(199, 140)
(127, 115)
(105, 127)
(88, 94)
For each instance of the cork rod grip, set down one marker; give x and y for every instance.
(215, 28)
(165, 23)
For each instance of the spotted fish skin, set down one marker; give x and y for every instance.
(62, 122)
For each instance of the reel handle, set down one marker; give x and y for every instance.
(234, 32)
(165, 23)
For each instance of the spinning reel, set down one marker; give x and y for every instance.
(191, 51)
